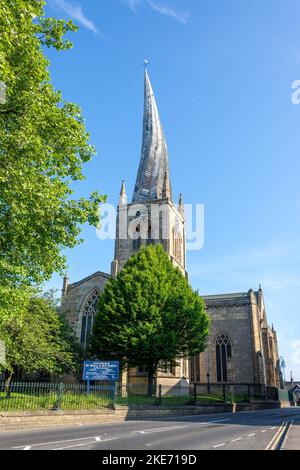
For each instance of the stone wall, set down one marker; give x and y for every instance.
(76, 295)
(229, 314)
(241, 317)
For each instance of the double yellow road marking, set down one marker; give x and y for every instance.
(275, 441)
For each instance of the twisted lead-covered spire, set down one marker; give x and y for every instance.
(154, 163)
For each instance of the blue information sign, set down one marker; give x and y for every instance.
(101, 370)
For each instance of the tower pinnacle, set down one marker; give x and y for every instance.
(181, 206)
(65, 284)
(123, 196)
(166, 190)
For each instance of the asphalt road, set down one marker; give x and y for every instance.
(247, 430)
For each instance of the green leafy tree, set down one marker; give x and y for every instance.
(149, 314)
(37, 337)
(43, 147)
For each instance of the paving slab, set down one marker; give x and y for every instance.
(292, 441)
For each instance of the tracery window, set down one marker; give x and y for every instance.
(223, 354)
(177, 245)
(88, 314)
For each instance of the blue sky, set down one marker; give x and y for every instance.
(222, 73)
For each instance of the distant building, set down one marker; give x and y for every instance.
(293, 387)
(242, 348)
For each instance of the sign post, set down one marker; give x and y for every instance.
(88, 386)
(101, 370)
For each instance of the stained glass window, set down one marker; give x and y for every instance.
(223, 353)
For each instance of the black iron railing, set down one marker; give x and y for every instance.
(35, 396)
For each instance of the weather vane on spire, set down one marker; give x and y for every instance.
(145, 64)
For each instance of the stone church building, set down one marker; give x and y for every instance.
(242, 348)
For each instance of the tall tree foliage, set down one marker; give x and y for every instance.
(43, 146)
(36, 337)
(149, 314)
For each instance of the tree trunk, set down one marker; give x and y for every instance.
(8, 375)
(150, 381)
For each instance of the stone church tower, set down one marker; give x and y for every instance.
(242, 348)
(151, 217)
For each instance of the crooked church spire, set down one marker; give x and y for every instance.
(154, 163)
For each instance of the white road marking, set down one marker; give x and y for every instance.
(250, 435)
(237, 439)
(264, 430)
(74, 445)
(169, 428)
(84, 444)
(213, 422)
(98, 438)
(54, 442)
(219, 445)
(149, 431)
(274, 427)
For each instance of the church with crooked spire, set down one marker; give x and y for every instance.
(151, 216)
(242, 348)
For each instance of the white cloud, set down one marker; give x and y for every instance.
(76, 13)
(133, 4)
(180, 16)
(162, 9)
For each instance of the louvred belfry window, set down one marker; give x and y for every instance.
(177, 245)
(223, 353)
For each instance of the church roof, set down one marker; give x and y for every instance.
(226, 296)
(85, 279)
(218, 300)
(154, 162)
(294, 386)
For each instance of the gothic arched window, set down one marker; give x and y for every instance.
(88, 314)
(223, 353)
(177, 245)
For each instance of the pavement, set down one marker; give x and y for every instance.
(255, 430)
(292, 438)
